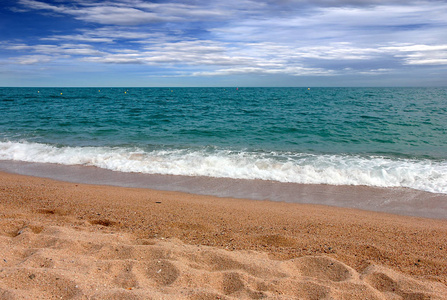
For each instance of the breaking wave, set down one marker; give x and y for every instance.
(380, 171)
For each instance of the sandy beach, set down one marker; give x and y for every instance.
(75, 241)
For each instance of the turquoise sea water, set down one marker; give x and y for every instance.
(388, 137)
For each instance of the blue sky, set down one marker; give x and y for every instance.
(223, 43)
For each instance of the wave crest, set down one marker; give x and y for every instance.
(291, 167)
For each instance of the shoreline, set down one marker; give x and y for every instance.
(104, 241)
(400, 201)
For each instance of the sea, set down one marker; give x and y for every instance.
(218, 140)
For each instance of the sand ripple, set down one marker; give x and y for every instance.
(90, 261)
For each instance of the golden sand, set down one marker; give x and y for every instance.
(74, 241)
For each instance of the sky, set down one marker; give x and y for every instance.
(223, 43)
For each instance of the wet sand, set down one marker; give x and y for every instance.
(402, 201)
(79, 241)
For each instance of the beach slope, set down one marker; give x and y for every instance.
(75, 241)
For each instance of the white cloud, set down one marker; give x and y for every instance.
(130, 12)
(184, 10)
(215, 38)
(376, 71)
(78, 37)
(116, 58)
(18, 47)
(285, 70)
(359, 25)
(38, 5)
(119, 15)
(420, 54)
(236, 59)
(107, 35)
(45, 53)
(33, 59)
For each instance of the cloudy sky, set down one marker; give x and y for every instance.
(223, 43)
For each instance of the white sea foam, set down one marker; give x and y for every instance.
(283, 167)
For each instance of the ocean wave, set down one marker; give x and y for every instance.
(291, 167)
